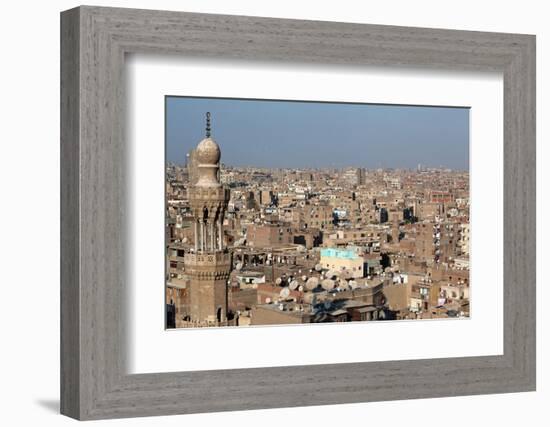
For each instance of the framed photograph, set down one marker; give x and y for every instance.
(292, 228)
(262, 213)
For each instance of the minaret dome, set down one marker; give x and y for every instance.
(208, 156)
(208, 152)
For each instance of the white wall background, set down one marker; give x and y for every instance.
(29, 210)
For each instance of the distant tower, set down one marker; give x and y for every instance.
(209, 265)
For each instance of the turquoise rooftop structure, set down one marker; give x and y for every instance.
(339, 253)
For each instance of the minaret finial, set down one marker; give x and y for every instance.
(208, 124)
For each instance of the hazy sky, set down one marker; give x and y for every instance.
(292, 134)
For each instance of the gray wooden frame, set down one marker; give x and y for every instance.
(94, 41)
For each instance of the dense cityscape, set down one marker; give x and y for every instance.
(258, 246)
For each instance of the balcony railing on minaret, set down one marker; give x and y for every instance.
(208, 236)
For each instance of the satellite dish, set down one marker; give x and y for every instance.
(312, 283)
(239, 266)
(301, 288)
(318, 267)
(278, 281)
(304, 277)
(185, 240)
(327, 284)
(308, 298)
(268, 300)
(344, 285)
(293, 285)
(285, 292)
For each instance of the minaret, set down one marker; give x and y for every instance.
(209, 264)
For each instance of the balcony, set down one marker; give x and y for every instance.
(207, 258)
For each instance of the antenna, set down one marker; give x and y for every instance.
(208, 124)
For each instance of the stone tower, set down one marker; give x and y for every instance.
(209, 264)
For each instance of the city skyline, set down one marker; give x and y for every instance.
(248, 247)
(286, 134)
